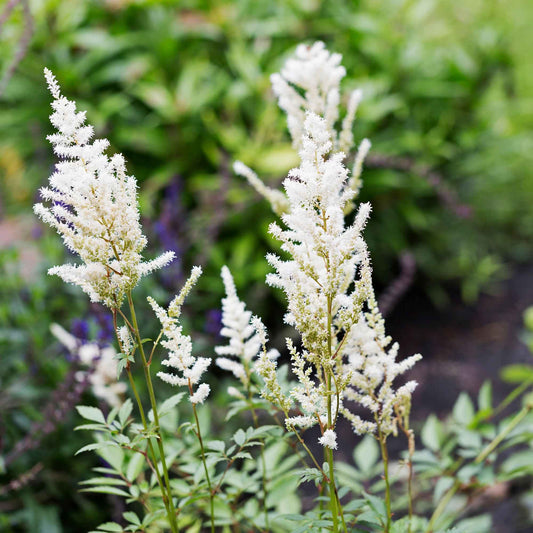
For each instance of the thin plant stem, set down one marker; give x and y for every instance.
(263, 461)
(146, 368)
(385, 456)
(511, 397)
(200, 440)
(144, 423)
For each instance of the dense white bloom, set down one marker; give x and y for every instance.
(94, 209)
(309, 83)
(189, 368)
(201, 394)
(327, 276)
(103, 376)
(246, 334)
(126, 342)
(317, 74)
(329, 439)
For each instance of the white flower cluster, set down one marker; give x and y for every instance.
(370, 361)
(94, 208)
(245, 341)
(327, 278)
(190, 368)
(309, 82)
(103, 376)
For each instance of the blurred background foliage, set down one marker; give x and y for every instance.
(182, 89)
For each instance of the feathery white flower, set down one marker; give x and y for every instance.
(201, 394)
(94, 209)
(189, 369)
(329, 439)
(327, 276)
(318, 74)
(244, 341)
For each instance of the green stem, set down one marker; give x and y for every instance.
(263, 461)
(146, 368)
(514, 422)
(211, 493)
(160, 482)
(385, 456)
(144, 423)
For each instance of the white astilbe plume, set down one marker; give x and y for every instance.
(103, 374)
(245, 342)
(93, 206)
(309, 82)
(189, 369)
(328, 284)
(370, 361)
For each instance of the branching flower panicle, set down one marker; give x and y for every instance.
(327, 277)
(244, 340)
(189, 368)
(94, 209)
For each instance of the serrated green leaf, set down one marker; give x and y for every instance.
(463, 410)
(104, 481)
(442, 485)
(110, 527)
(366, 453)
(91, 413)
(132, 518)
(92, 427)
(125, 411)
(432, 433)
(168, 405)
(239, 437)
(95, 446)
(135, 467)
(216, 445)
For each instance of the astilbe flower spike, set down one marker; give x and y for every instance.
(345, 355)
(189, 368)
(245, 343)
(94, 209)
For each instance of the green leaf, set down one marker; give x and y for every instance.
(239, 437)
(92, 427)
(432, 433)
(463, 410)
(216, 445)
(442, 485)
(366, 453)
(132, 518)
(91, 413)
(135, 467)
(517, 373)
(104, 481)
(107, 490)
(125, 411)
(95, 446)
(485, 396)
(477, 524)
(168, 405)
(110, 527)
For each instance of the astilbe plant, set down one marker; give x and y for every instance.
(343, 366)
